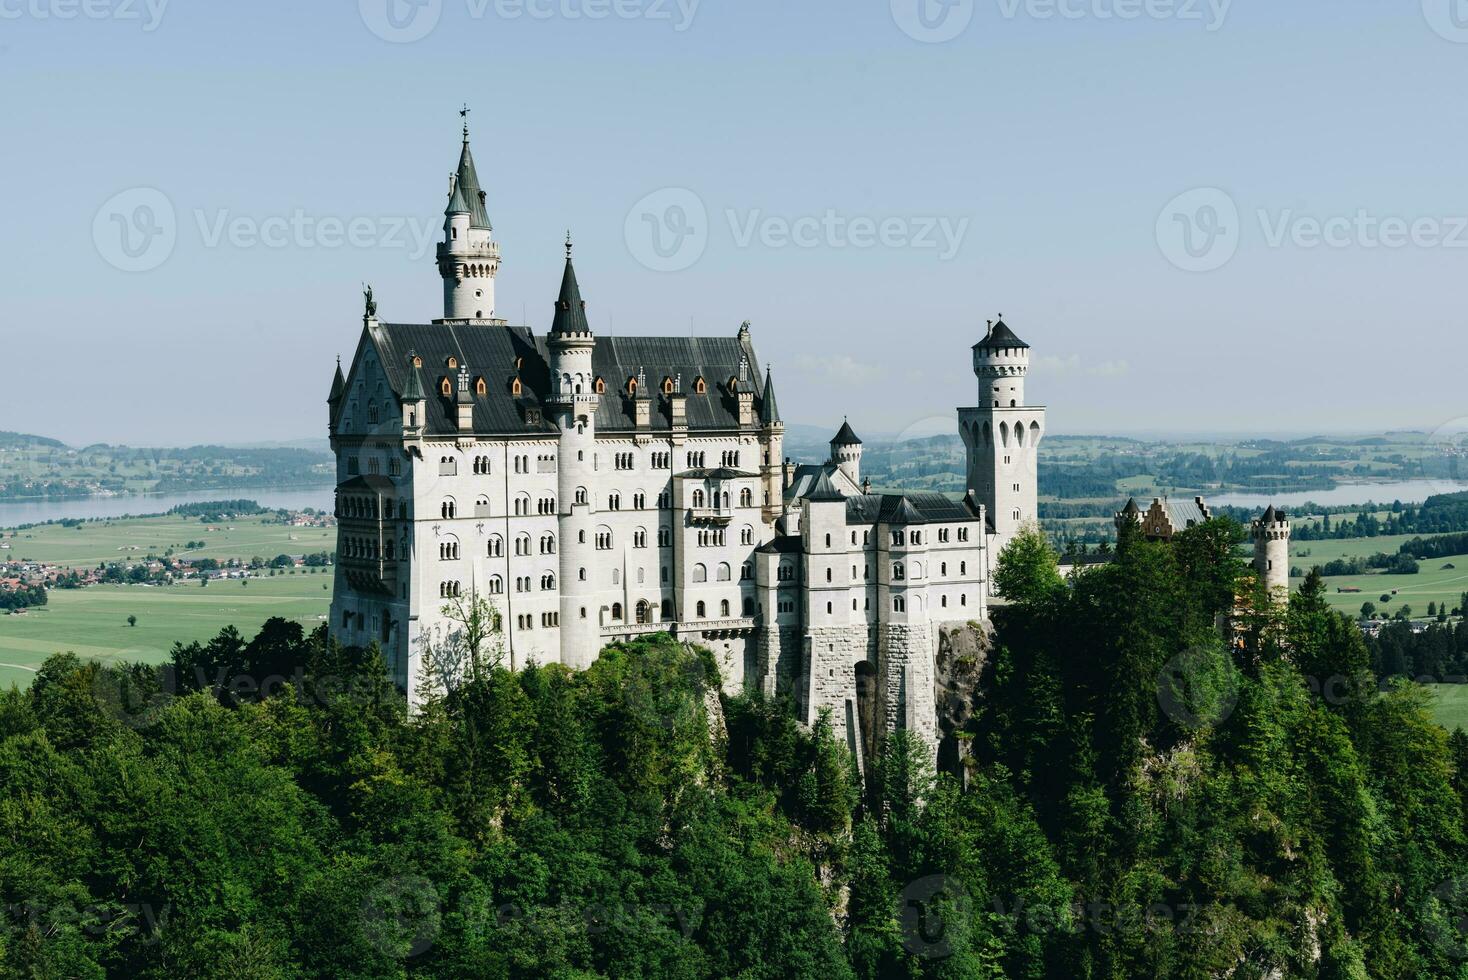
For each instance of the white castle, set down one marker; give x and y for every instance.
(596, 488)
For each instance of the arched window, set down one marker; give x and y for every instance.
(496, 546)
(698, 498)
(496, 585)
(724, 571)
(644, 611)
(702, 613)
(446, 388)
(700, 573)
(746, 535)
(724, 608)
(516, 388)
(748, 606)
(746, 497)
(480, 388)
(667, 386)
(699, 385)
(449, 509)
(667, 612)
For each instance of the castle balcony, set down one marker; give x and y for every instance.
(711, 516)
(719, 629)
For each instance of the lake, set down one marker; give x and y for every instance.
(1407, 491)
(39, 511)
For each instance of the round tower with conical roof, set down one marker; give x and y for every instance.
(846, 453)
(573, 403)
(468, 256)
(1002, 436)
(1272, 551)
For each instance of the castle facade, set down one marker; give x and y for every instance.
(595, 488)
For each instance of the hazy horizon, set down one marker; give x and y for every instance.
(1067, 169)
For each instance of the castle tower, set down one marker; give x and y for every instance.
(846, 453)
(772, 472)
(468, 256)
(835, 636)
(1003, 435)
(1272, 552)
(573, 406)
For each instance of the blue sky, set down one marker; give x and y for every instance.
(1029, 165)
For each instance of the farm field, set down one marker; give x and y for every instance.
(88, 545)
(92, 622)
(1450, 706)
(1434, 583)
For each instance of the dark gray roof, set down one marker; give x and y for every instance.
(1184, 513)
(570, 307)
(1131, 507)
(1001, 337)
(823, 490)
(919, 507)
(492, 350)
(846, 437)
(769, 412)
(467, 195)
(785, 544)
(413, 387)
(338, 383)
(371, 482)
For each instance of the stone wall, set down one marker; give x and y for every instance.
(832, 653)
(905, 658)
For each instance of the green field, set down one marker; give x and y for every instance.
(1433, 584)
(1451, 706)
(87, 545)
(92, 622)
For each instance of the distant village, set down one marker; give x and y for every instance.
(24, 582)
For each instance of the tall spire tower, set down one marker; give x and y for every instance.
(468, 256)
(1003, 436)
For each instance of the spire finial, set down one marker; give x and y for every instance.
(568, 244)
(464, 115)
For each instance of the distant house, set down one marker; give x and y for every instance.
(1166, 517)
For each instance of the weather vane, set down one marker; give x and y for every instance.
(464, 115)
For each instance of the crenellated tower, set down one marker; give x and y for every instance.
(846, 453)
(1003, 435)
(1272, 552)
(573, 403)
(468, 256)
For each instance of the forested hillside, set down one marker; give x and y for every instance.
(1139, 799)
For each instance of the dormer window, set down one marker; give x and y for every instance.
(446, 388)
(601, 386)
(417, 361)
(700, 386)
(516, 388)
(667, 386)
(733, 385)
(453, 363)
(631, 386)
(480, 388)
